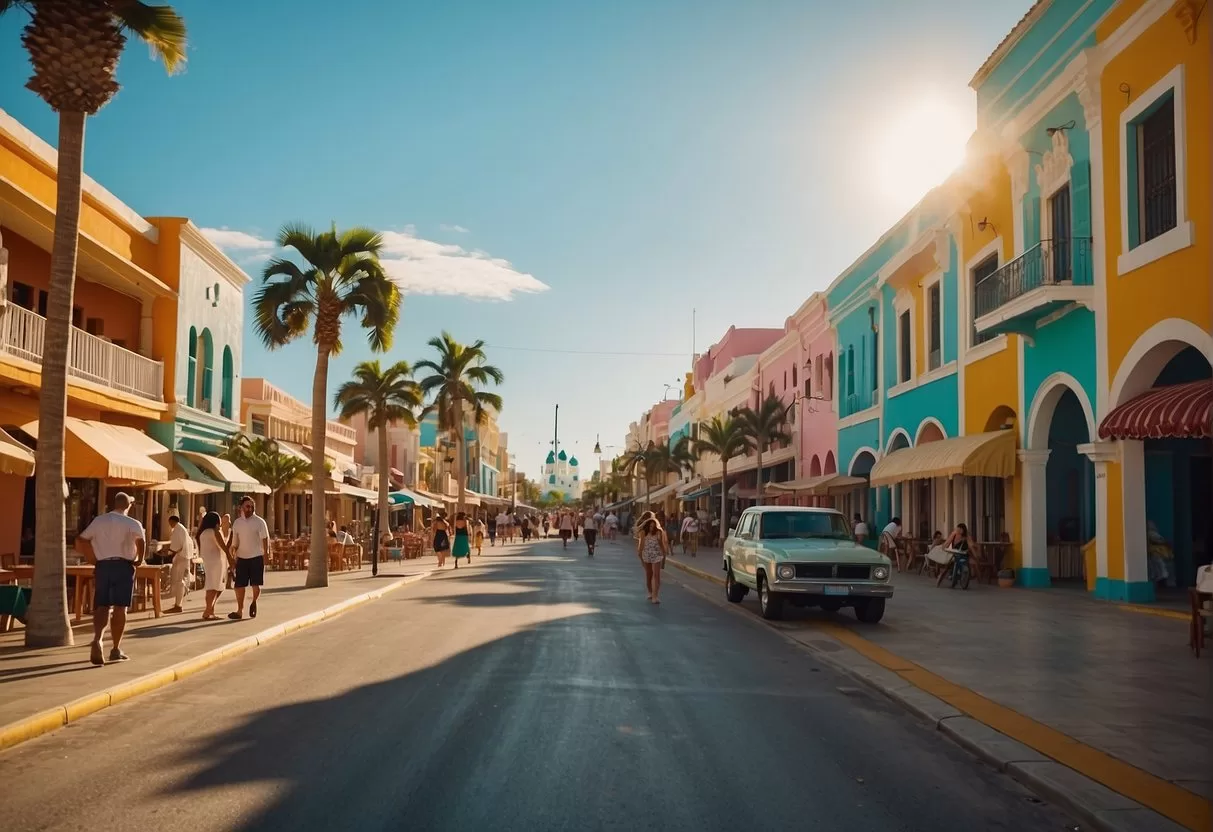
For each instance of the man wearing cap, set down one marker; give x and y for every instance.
(115, 542)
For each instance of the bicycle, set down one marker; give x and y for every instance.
(958, 569)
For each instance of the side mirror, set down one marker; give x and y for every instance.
(733, 532)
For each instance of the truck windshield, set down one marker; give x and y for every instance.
(785, 525)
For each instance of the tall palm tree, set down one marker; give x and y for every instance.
(74, 47)
(662, 459)
(341, 277)
(765, 426)
(261, 460)
(385, 397)
(454, 386)
(726, 437)
(638, 463)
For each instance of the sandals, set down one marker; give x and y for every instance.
(252, 610)
(235, 616)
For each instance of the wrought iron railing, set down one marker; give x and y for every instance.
(1048, 263)
(22, 334)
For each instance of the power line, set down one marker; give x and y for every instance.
(588, 352)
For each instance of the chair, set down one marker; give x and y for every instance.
(352, 555)
(1196, 624)
(981, 562)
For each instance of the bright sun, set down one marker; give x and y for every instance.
(916, 148)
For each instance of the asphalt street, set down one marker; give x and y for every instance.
(537, 690)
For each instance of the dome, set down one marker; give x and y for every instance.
(563, 456)
(573, 461)
(551, 458)
(552, 479)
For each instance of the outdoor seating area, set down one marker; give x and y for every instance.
(910, 554)
(150, 586)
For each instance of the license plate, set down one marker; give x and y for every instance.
(838, 590)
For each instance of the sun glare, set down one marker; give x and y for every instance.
(916, 148)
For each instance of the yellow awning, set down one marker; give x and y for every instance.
(100, 451)
(819, 486)
(15, 458)
(977, 455)
(360, 493)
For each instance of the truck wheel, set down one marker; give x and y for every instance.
(733, 590)
(770, 603)
(869, 610)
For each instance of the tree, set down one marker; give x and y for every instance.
(454, 387)
(724, 436)
(637, 463)
(662, 459)
(764, 427)
(385, 397)
(74, 47)
(341, 277)
(261, 460)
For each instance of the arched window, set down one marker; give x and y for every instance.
(229, 373)
(205, 356)
(192, 371)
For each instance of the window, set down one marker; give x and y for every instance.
(934, 328)
(78, 317)
(204, 354)
(794, 382)
(94, 326)
(1059, 220)
(903, 350)
(1156, 209)
(229, 372)
(875, 360)
(42, 296)
(983, 271)
(191, 383)
(256, 426)
(772, 388)
(849, 361)
(828, 386)
(23, 295)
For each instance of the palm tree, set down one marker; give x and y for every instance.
(385, 397)
(341, 277)
(637, 463)
(454, 383)
(724, 436)
(261, 460)
(74, 47)
(662, 459)
(764, 427)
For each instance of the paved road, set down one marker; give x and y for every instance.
(536, 691)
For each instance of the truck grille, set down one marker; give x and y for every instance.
(826, 571)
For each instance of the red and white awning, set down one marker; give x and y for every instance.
(1180, 411)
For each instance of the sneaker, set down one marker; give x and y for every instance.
(117, 655)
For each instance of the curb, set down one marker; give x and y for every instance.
(1087, 799)
(52, 719)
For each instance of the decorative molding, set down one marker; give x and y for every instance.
(197, 242)
(1018, 167)
(1187, 12)
(1053, 169)
(1030, 457)
(1101, 452)
(1087, 88)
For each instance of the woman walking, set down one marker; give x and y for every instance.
(461, 548)
(652, 546)
(442, 540)
(216, 558)
(479, 536)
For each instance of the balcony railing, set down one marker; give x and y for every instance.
(22, 333)
(1064, 262)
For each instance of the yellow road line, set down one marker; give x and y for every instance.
(1156, 611)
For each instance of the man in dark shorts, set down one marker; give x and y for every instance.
(115, 542)
(250, 545)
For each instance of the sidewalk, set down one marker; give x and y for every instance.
(32, 681)
(1120, 682)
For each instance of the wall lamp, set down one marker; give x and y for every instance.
(985, 223)
(1061, 128)
(872, 319)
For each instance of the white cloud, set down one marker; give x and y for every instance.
(230, 240)
(458, 229)
(259, 257)
(424, 267)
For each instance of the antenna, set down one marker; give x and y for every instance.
(692, 335)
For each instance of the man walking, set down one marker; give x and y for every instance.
(566, 527)
(115, 543)
(591, 531)
(690, 534)
(182, 553)
(250, 544)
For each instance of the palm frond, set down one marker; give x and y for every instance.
(360, 241)
(158, 26)
(282, 309)
(377, 300)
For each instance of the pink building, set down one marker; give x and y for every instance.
(736, 342)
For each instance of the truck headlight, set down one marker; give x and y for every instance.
(786, 572)
(880, 573)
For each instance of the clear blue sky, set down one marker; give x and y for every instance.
(557, 175)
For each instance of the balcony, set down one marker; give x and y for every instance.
(88, 357)
(1050, 276)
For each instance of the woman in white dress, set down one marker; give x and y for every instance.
(216, 557)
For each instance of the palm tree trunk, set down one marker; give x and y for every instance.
(269, 509)
(724, 500)
(461, 463)
(318, 567)
(381, 522)
(758, 493)
(48, 623)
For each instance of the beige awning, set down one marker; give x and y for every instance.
(819, 486)
(181, 485)
(361, 493)
(15, 458)
(100, 451)
(226, 471)
(657, 494)
(977, 455)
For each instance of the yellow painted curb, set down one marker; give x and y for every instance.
(1160, 613)
(55, 718)
(698, 573)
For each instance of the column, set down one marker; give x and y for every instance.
(1034, 571)
(145, 327)
(1137, 587)
(1101, 454)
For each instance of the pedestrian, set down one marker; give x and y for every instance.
(216, 560)
(461, 547)
(547, 524)
(181, 554)
(566, 528)
(860, 529)
(442, 540)
(114, 541)
(479, 536)
(612, 525)
(250, 544)
(652, 546)
(690, 534)
(503, 526)
(576, 524)
(591, 532)
(492, 529)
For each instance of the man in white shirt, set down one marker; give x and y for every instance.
(115, 542)
(612, 525)
(860, 529)
(690, 534)
(503, 527)
(566, 528)
(250, 545)
(590, 527)
(181, 550)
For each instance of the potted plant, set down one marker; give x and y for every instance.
(1006, 578)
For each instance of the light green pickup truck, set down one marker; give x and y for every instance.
(806, 557)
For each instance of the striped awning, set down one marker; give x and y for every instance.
(1179, 411)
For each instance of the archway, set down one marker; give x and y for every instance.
(987, 496)
(1058, 483)
(815, 466)
(862, 500)
(1001, 418)
(830, 466)
(899, 494)
(1167, 468)
(930, 431)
